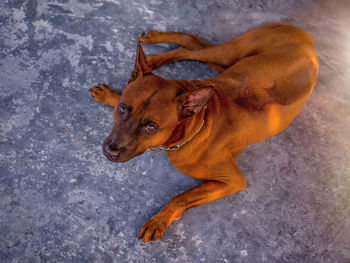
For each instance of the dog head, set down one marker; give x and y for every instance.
(149, 110)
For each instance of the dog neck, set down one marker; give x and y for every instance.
(186, 131)
(181, 135)
(188, 128)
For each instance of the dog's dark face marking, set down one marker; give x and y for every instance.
(138, 122)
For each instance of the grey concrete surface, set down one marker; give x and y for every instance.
(61, 200)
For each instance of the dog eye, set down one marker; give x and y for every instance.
(122, 109)
(149, 128)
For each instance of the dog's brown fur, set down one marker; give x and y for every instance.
(266, 76)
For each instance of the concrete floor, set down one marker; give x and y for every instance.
(61, 200)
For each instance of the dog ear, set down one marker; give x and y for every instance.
(190, 103)
(141, 67)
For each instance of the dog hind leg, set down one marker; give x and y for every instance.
(187, 41)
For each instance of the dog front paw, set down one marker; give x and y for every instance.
(153, 229)
(103, 94)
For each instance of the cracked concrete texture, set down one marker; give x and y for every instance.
(61, 200)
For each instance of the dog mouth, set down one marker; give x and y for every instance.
(119, 156)
(113, 156)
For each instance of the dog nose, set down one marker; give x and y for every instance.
(111, 150)
(112, 147)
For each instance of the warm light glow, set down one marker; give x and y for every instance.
(273, 118)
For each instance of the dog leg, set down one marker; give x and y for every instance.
(154, 228)
(104, 95)
(188, 41)
(202, 55)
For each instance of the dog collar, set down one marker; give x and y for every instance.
(178, 146)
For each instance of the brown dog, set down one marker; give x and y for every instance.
(266, 76)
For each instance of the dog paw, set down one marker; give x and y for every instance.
(153, 229)
(100, 92)
(149, 37)
(104, 95)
